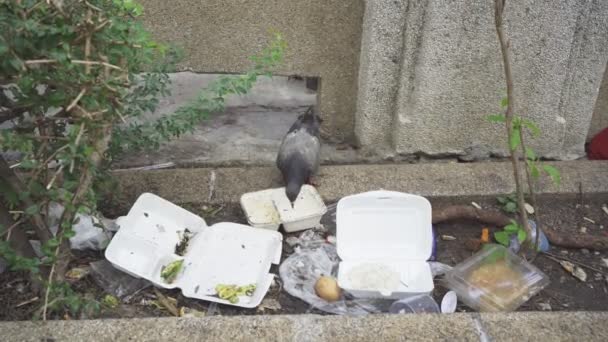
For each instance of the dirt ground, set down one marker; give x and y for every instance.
(564, 292)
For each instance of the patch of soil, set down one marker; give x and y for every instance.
(565, 292)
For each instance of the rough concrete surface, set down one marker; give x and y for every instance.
(324, 39)
(221, 185)
(248, 133)
(452, 76)
(600, 113)
(524, 326)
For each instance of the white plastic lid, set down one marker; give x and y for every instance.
(384, 225)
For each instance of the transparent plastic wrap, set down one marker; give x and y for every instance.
(495, 279)
(301, 270)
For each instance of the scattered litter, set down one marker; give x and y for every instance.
(116, 282)
(385, 239)
(588, 220)
(485, 235)
(90, 231)
(476, 205)
(415, 304)
(529, 208)
(439, 269)
(495, 279)
(232, 293)
(171, 270)
(269, 304)
(448, 238)
(543, 243)
(449, 302)
(184, 239)
(584, 230)
(218, 254)
(213, 309)
(605, 262)
(576, 271)
(168, 303)
(189, 313)
(110, 301)
(77, 273)
(545, 306)
(605, 209)
(300, 271)
(268, 209)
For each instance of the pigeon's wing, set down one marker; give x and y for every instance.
(302, 144)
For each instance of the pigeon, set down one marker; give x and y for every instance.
(298, 157)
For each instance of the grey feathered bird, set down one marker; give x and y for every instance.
(298, 157)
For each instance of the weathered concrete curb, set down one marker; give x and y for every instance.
(210, 185)
(525, 326)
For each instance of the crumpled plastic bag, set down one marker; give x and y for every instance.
(91, 232)
(300, 271)
(116, 282)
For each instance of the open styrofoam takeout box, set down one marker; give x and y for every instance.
(388, 235)
(224, 253)
(268, 209)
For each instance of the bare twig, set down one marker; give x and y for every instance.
(29, 301)
(559, 258)
(166, 303)
(74, 61)
(75, 101)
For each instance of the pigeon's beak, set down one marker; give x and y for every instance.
(292, 205)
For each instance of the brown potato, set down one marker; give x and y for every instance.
(328, 289)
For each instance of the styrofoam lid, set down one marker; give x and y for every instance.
(384, 225)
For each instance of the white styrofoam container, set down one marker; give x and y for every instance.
(260, 209)
(225, 253)
(270, 208)
(384, 230)
(306, 212)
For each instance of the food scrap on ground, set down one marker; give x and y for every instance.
(170, 271)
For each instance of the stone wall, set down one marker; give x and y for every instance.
(324, 38)
(415, 76)
(450, 74)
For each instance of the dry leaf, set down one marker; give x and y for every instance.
(448, 237)
(529, 208)
(269, 304)
(576, 271)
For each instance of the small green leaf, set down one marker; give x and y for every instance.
(69, 233)
(514, 139)
(504, 102)
(496, 118)
(553, 173)
(502, 199)
(521, 235)
(502, 238)
(534, 171)
(33, 209)
(530, 154)
(510, 207)
(532, 127)
(511, 228)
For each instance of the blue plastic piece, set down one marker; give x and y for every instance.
(543, 243)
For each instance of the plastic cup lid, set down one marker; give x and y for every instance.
(449, 302)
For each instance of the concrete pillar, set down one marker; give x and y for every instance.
(451, 76)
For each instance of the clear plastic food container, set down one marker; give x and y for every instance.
(495, 279)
